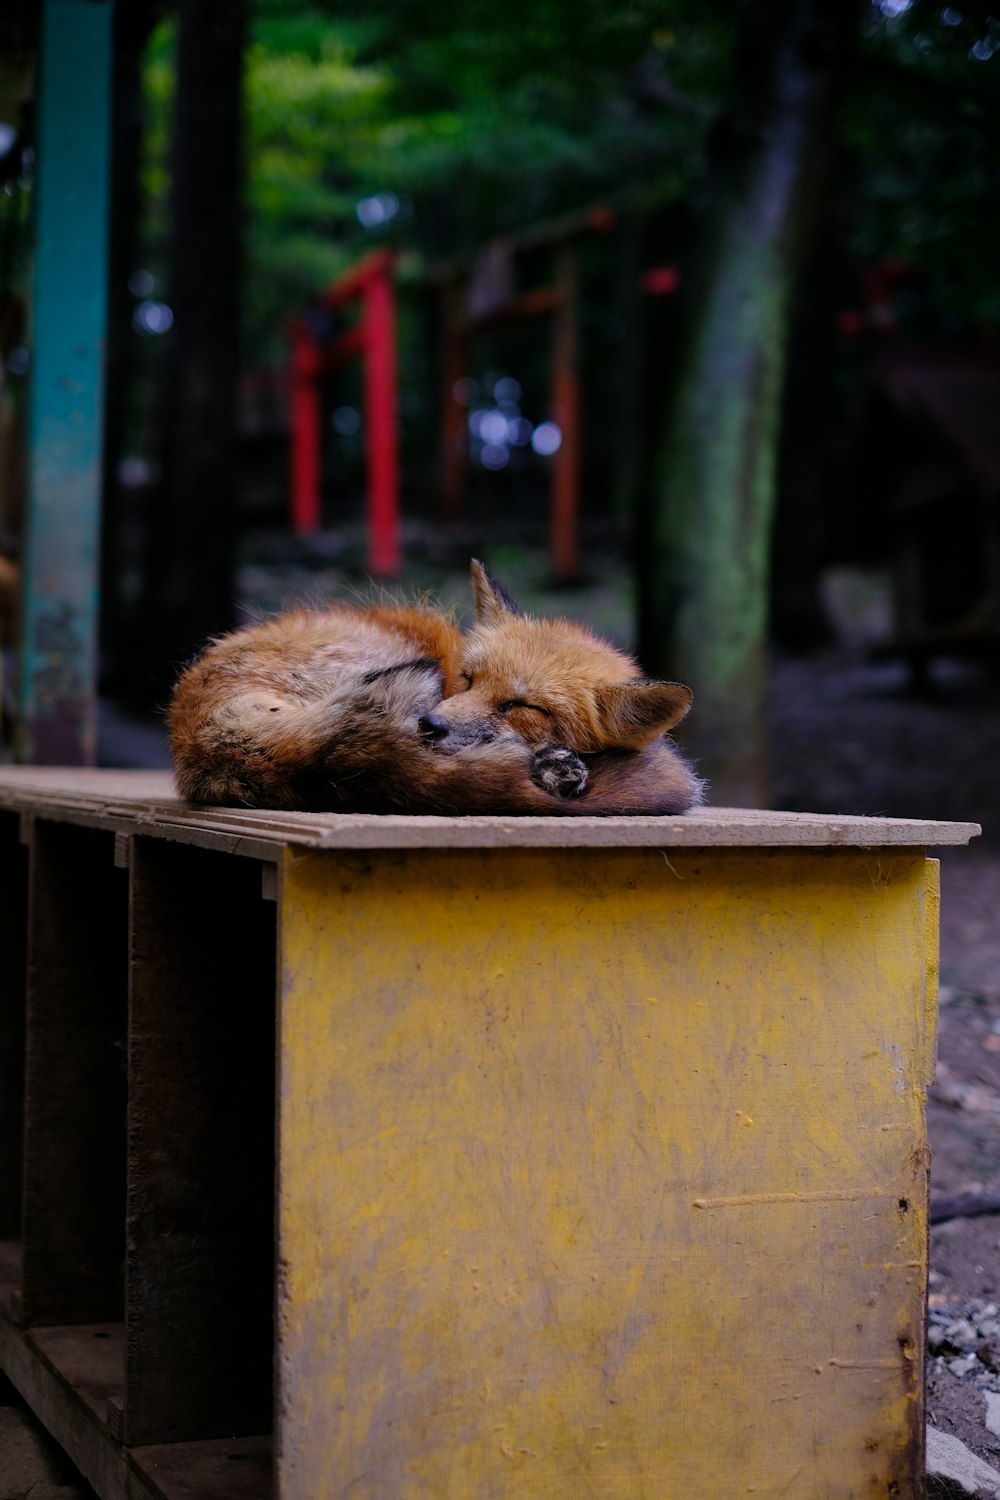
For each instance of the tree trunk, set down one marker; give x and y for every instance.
(703, 589)
(192, 535)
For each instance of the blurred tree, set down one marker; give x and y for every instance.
(192, 531)
(703, 578)
(904, 255)
(133, 24)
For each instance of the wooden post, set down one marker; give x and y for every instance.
(74, 1180)
(200, 1258)
(373, 338)
(59, 652)
(305, 431)
(380, 423)
(13, 930)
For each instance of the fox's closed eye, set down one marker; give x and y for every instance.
(467, 679)
(537, 708)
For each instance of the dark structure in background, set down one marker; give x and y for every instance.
(187, 592)
(928, 474)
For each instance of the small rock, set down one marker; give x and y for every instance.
(992, 1412)
(949, 1458)
(989, 1354)
(970, 1096)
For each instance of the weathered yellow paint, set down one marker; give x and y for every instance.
(602, 1175)
(933, 909)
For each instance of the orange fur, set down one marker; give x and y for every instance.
(392, 709)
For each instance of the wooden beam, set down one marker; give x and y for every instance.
(70, 1378)
(13, 925)
(600, 218)
(74, 1179)
(199, 1262)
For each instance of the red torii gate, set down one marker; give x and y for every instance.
(315, 352)
(373, 337)
(474, 302)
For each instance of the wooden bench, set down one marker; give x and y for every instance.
(593, 1162)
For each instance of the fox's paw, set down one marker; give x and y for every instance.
(559, 772)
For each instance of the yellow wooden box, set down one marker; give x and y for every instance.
(601, 1164)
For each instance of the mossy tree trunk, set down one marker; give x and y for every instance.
(704, 562)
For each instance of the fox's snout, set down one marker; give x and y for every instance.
(433, 727)
(455, 734)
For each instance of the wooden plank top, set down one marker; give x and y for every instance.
(145, 802)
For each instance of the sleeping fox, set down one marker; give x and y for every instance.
(391, 709)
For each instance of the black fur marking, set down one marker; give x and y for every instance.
(419, 663)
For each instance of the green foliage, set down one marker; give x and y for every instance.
(923, 125)
(314, 115)
(544, 106)
(158, 82)
(484, 120)
(474, 127)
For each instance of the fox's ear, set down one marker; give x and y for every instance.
(491, 600)
(633, 713)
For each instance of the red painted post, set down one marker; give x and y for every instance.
(380, 424)
(566, 402)
(306, 437)
(354, 282)
(373, 338)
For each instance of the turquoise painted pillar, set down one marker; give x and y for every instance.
(61, 555)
